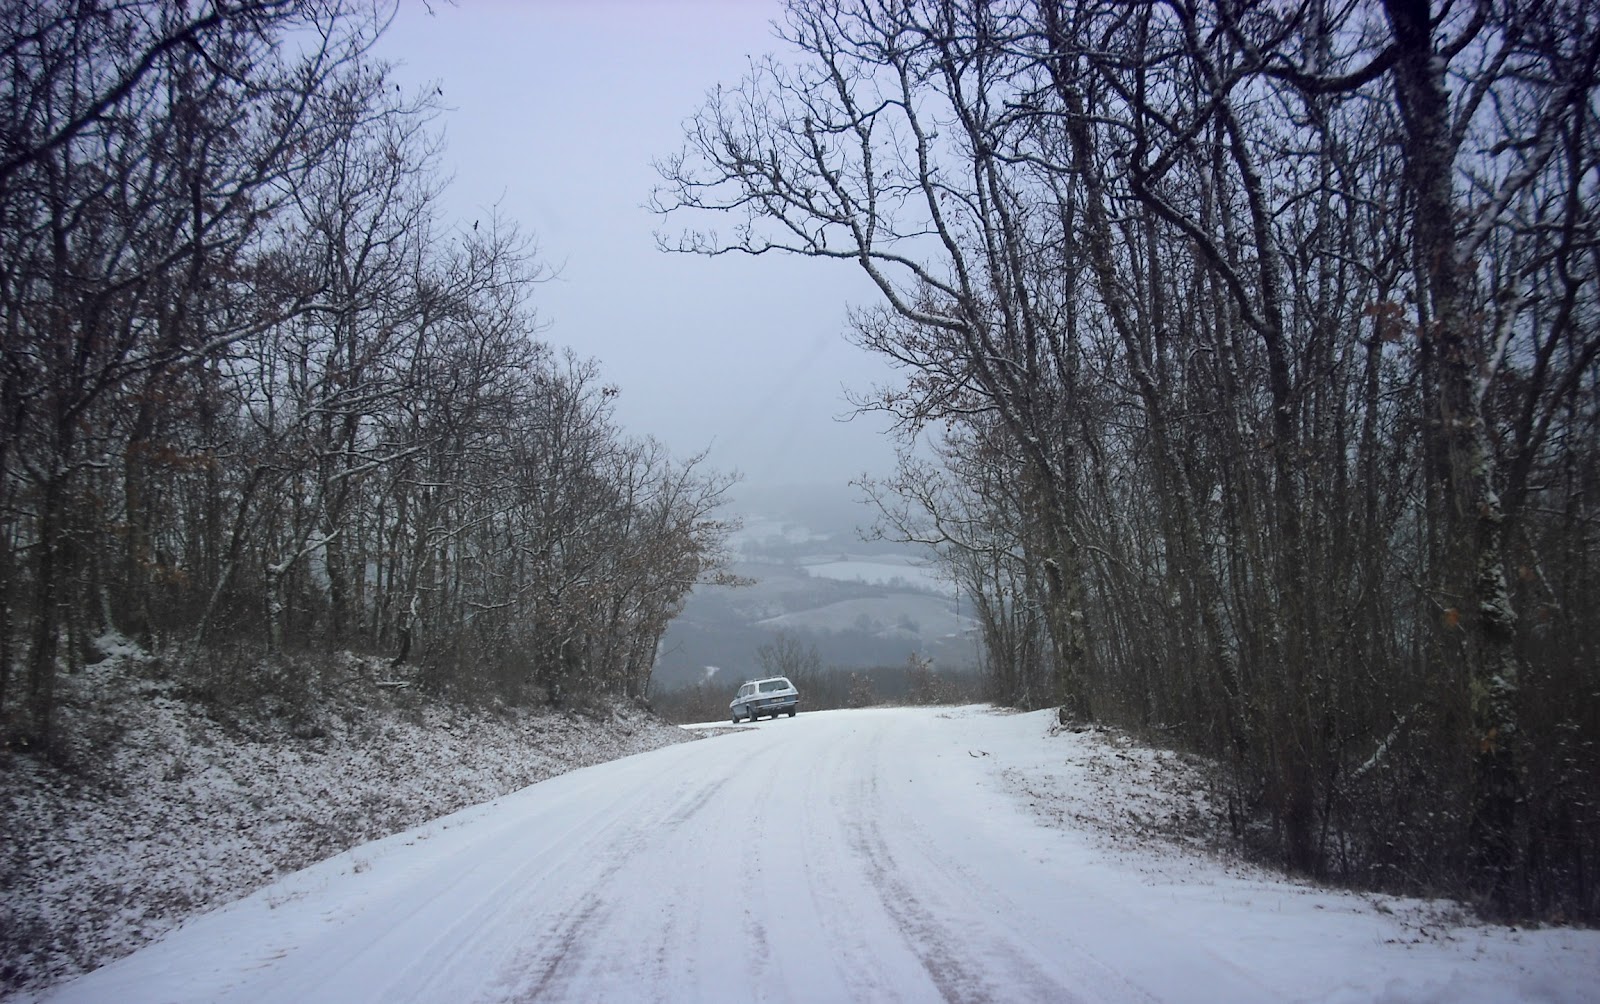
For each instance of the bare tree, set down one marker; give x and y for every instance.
(1245, 329)
(144, 149)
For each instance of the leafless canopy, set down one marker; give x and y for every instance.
(1260, 342)
(256, 392)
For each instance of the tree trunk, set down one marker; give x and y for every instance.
(1473, 517)
(41, 677)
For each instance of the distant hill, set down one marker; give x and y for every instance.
(860, 603)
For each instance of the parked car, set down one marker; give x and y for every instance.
(772, 696)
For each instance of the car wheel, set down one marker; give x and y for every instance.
(792, 711)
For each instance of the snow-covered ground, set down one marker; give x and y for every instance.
(883, 854)
(171, 806)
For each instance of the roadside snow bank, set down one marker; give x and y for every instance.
(171, 806)
(1135, 829)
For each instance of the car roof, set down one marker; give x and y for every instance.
(765, 679)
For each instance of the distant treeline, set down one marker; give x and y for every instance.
(690, 646)
(910, 683)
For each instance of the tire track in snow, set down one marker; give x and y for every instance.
(974, 942)
(565, 951)
(943, 951)
(832, 872)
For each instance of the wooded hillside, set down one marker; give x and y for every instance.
(257, 392)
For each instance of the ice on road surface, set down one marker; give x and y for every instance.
(874, 855)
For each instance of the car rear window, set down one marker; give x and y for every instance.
(774, 685)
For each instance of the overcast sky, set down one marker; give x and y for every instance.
(557, 109)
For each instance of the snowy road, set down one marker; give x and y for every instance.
(873, 855)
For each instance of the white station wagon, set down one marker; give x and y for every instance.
(772, 696)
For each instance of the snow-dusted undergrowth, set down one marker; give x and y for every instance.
(174, 800)
(1156, 811)
(1111, 784)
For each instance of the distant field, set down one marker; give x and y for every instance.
(907, 615)
(882, 570)
(858, 603)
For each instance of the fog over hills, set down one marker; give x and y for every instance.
(861, 603)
